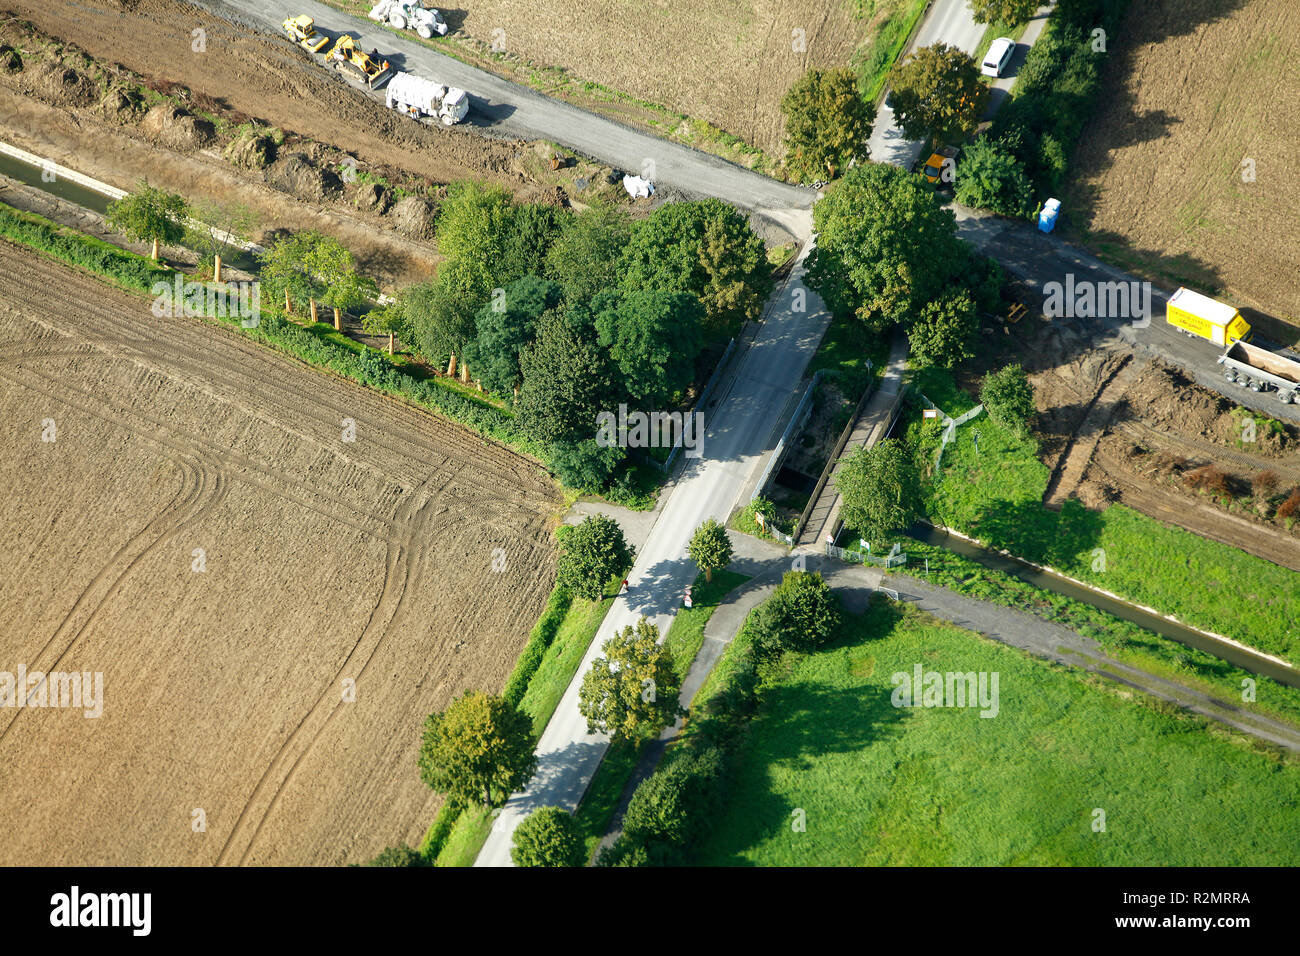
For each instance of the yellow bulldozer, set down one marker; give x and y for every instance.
(302, 31)
(351, 60)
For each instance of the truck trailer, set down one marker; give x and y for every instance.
(1200, 315)
(418, 97)
(1262, 371)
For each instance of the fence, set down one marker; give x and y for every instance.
(796, 422)
(949, 429)
(700, 403)
(894, 559)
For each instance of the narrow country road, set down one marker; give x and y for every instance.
(739, 430)
(507, 109)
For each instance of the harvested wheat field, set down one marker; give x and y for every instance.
(727, 62)
(1187, 170)
(327, 566)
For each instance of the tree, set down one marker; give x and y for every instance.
(150, 215)
(567, 381)
(944, 331)
(401, 855)
(710, 548)
(671, 811)
(285, 269)
(705, 248)
(1008, 397)
(585, 257)
(1011, 12)
(504, 326)
(937, 94)
(591, 554)
(222, 224)
(880, 488)
(653, 337)
(990, 177)
(334, 273)
(474, 222)
(586, 464)
(801, 615)
(885, 246)
(388, 319)
(478, 751)
(827, 123)
(631, 691)
(548, 837)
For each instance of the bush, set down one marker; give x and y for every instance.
(1008, 397)
(670, 812)
(989, 176)
(127, 269)
(586, 465)
(401, 855)
(1210, 480)
(548, 837)
(1264, 484)
(801, 615)
(1286, 510)
(591, 554)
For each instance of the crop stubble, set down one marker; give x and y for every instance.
(324, 561)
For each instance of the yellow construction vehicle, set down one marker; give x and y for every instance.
(364, 67)
(302, 31)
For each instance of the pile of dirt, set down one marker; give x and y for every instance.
(253, 149)
(413, 217)
(1169, 401)
(297, 175)
(177, 129)
(63, 86)
(370, 197)
(122, 104)
(11, 60)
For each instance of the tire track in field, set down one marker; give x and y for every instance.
(203, 487)
(167, 346)
(402, 564)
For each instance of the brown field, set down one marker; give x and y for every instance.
(325, 561)
(1198, 87)
(727, 62)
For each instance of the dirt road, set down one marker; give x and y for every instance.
(274, 608)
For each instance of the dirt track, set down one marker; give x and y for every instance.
(325, 561)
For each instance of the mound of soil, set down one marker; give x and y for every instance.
(413, 217)
(298, 176)
(10, 60)
(121, 105)
(176, 129)
(250, 152)
(63, 86)
(370, 197)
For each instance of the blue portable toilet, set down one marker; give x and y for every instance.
(1047, 215)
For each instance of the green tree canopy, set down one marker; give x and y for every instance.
(530, 230)
(401, 855)
(585, 257)
(990, 177)
(710, 548)
(801, 615)
(1011, 12)
(477, 751)
(885, 246)
(1008, 397)
(653, 337)
(504, 326)
(592, 553)
(827, 123)
(149, 215)
(706, 248)
(937, 94)
(548, 837)
(631, 691)
(880, 488)
(943, 333)
(567, 381)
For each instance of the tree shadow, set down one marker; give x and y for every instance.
(1038, 534)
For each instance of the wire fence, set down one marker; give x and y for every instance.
(895, 559)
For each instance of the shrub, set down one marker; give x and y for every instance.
(1264, 483)
(801, 615)
(670, 812)
(547, 837)
(1210, 480)
(591, 554)
(401, 855)
(1286, 510)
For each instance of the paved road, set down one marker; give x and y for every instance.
(1039, 258)
(951, 22)
(504, 108)
(737, 436)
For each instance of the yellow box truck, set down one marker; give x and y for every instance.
(1197, 314)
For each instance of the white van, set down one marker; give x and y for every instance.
(999, 55)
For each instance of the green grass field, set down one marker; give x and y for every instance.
(992, 488)
(879, 784)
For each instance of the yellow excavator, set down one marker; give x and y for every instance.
(364, 67)
(302, 31)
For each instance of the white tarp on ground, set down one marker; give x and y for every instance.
(637, 187)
